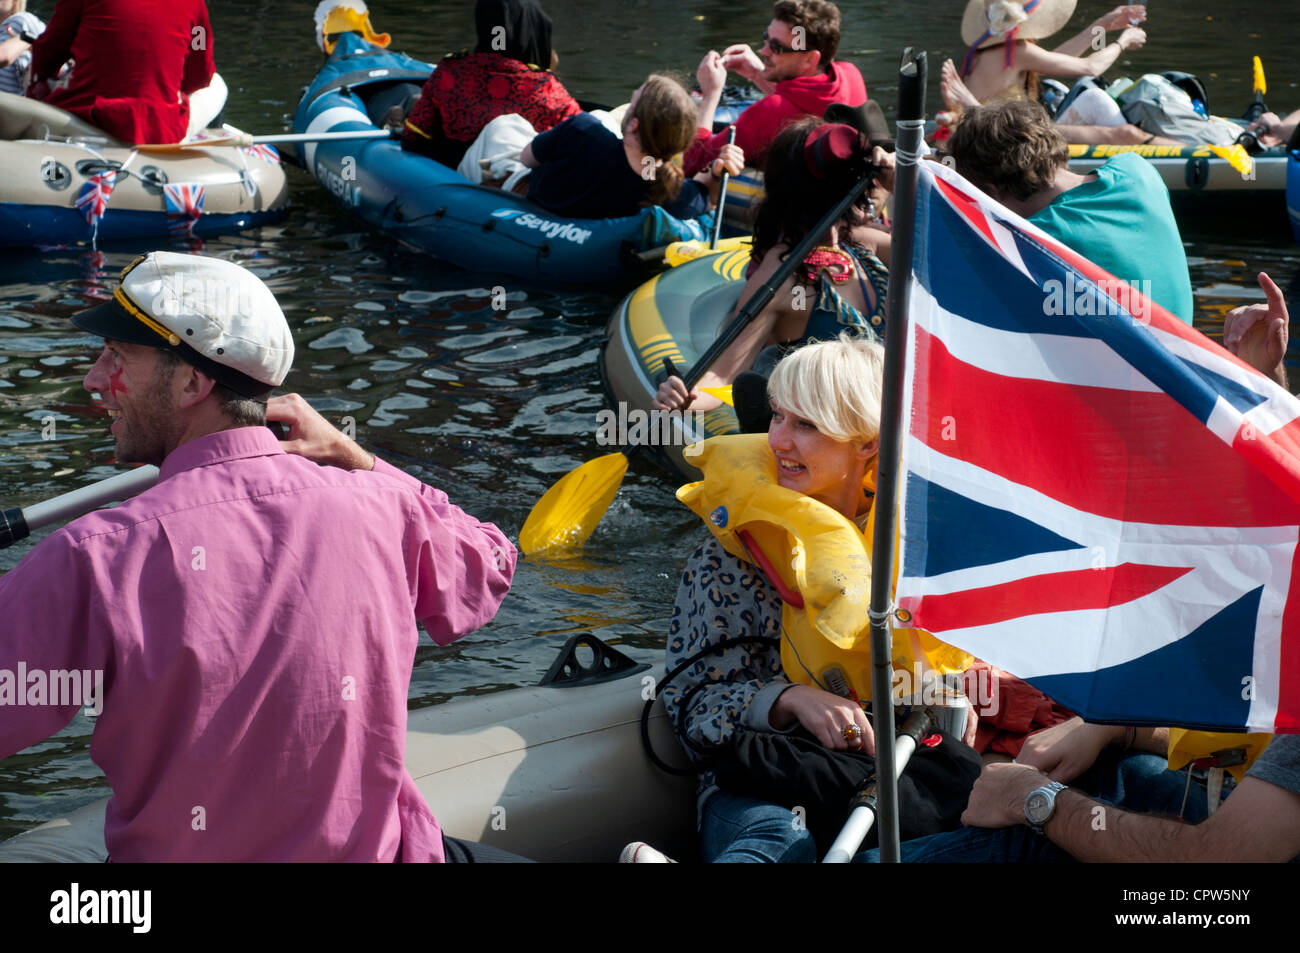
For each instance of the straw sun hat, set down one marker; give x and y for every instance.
(987, 22)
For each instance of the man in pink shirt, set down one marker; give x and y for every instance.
(253, 615)
(796, 70)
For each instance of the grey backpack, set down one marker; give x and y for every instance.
(1156, 105)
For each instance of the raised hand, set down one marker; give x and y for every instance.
(314, 437)
(1132, 38)
(741, 58)
(1257, 333)
(711, 74)
(1121, 17)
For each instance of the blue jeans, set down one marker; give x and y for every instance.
(1137, 782)
(745, 830)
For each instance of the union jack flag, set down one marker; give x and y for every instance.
(184, 206)
(94, 195)
(1094, 496)
(264, 152)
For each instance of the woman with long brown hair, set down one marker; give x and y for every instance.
(581, 169)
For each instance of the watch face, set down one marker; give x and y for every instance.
(1037, 806)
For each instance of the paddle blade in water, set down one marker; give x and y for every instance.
(570, 510)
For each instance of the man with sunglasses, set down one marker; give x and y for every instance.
(796, 70)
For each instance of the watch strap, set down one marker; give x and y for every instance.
(1050, 790)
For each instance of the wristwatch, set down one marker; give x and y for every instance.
(1040, 803)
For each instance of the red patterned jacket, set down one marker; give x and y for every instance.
(469, 90)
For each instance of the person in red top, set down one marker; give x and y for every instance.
(135, 64)
(508, 72)
(795, 68)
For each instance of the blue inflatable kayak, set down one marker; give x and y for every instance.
(434, 209)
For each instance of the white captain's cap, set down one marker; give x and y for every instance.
(213, 314)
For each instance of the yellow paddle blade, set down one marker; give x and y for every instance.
(678, 253)
(570, 510)
(1260, 85)
(722, 393)
(1235, 156)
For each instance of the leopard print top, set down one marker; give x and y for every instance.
(720, 597)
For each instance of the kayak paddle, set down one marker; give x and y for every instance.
(244, 140)
(17, 523)
(569, 511)
(678, 253)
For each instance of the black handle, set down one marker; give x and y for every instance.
(722, 194)
(13, 526)
(911, 85)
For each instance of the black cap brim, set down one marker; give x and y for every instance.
(114, 323)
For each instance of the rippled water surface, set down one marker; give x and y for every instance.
(495, 404)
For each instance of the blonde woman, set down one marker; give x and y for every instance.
(823, 440)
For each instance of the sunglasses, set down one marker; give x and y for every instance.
(776, 46)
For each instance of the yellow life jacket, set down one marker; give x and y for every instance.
(1186, 746)
(818, 561)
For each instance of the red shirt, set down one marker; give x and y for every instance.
(468, 91)
(133, 60)
(791, 99)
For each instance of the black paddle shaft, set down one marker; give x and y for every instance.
(722, 194)
(759, 300)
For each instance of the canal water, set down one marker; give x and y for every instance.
(493, 405)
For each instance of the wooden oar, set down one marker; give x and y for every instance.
(245, 140)
(18, 522)
(569, 511)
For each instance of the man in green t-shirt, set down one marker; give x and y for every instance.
(1117, 217)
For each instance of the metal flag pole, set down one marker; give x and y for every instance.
(911, 126)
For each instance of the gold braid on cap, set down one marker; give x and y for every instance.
(135, 311)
